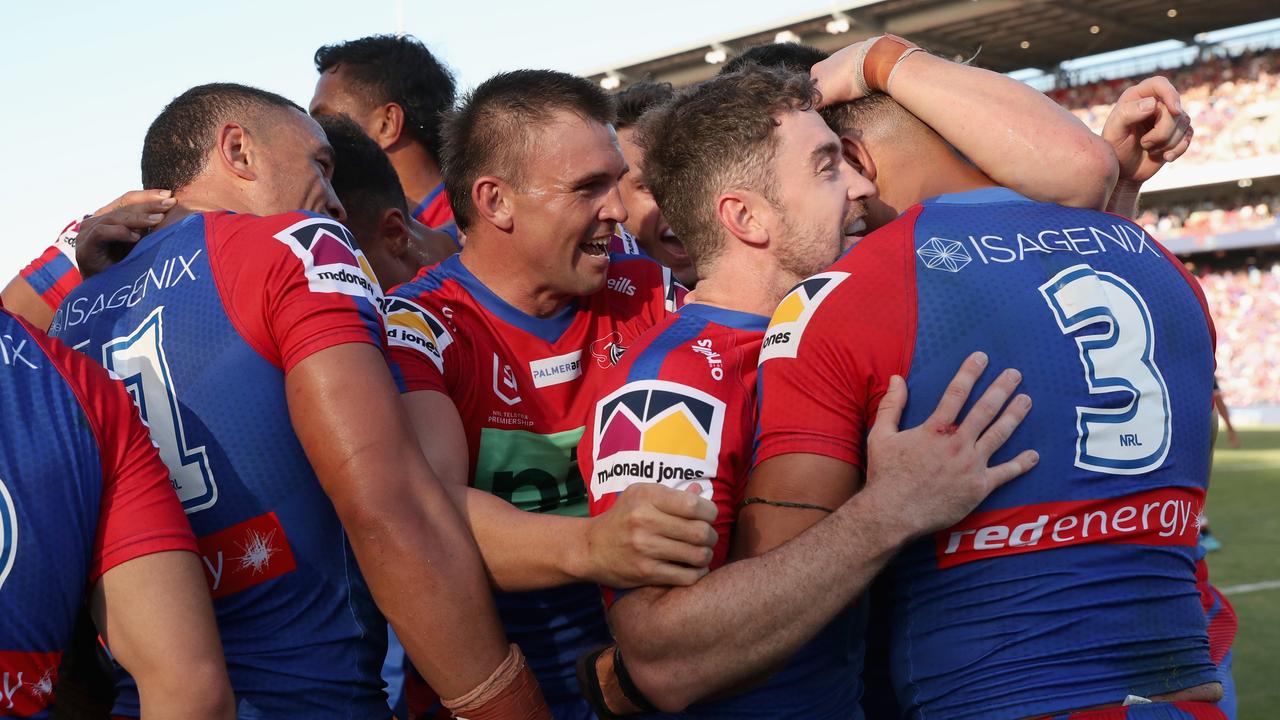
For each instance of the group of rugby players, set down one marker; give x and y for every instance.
(500, 374)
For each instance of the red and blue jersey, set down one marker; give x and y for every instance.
(436, 213)
(82, 490)
(54, 273)
(679, 409)
(202, 321)
(520, 384)
(1074, 585)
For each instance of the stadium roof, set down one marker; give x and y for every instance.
(1012, 34)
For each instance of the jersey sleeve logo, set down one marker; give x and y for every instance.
(412, 326)
(8, 532)
(331, 259)
(782, 339)
(656, 431)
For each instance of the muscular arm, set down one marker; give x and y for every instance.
(155, 615)
(684, 644)
(414, 550)
(1012, 132)
(530, 551)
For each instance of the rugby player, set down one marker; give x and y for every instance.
(645, 223)
(87, 515)
(395, 89)
(498, 346)
(1074, 588)
(253, 342)
(396, 245)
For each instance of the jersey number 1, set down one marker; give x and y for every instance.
(1129, 436)
(139, 360)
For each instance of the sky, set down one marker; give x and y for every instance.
(82, 80)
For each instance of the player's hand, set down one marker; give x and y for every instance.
(109, 234)
(653, 535)
(932, 476)
(1233, 438)
(843, 76)
(1147, 128)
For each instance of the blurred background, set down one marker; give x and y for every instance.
(81, 81)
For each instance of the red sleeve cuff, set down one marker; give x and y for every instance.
(136, 546)
(836, 448)
(323, 341)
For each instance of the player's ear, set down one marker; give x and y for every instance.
(388, 124)
(236, 152)
(855, 153)
(740, 212)
(393, 232)
(494, 202)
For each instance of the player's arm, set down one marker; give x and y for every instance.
(19, 298)
(653, 536)
(155, 614)
(747, 618)
(414, 550)
(1012, 132)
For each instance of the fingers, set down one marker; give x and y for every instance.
(889, 413)
(1002, 429)
(1020, 465)
(676, 503)
(105, 232)
(1164, 91)
(1167, 133)
(672, 575)
(135, 197)
(670, 551)
(984, 411)
(954, 397)
(1125, 115)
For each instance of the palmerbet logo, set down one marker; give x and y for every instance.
(943, 254)
(656, 431)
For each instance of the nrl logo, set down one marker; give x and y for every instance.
(608, 350)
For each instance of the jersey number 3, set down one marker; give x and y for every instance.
(139, 360)
(1129, 435)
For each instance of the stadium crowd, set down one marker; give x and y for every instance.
(1209, 217)
(1234, 102)
(540, 403)
(1246, 309)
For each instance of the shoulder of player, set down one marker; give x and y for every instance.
(87, 380)
(707, 360)
(635, 276)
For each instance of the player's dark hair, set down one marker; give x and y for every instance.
(877, 115)
(179, 140)
(716, 136)
(638, 99)
(363, 176)
(398, 69)
(494, 125)
(793, 56)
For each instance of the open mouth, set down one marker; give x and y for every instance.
(672, 244)
(856, 228)
(596, 247)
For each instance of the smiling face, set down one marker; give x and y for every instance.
(566, 204)
(821, 199)
(645, 219)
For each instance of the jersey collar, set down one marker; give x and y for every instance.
(729, 318)
(548, 329)
(981, 196)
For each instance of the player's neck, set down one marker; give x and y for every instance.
(192, 202)
(419, 174)
(748, 287)
(518, 289)
(942, 173)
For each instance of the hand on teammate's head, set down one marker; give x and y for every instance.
(107, 236)
(1147, 128)
(653, 535)
(933, 475)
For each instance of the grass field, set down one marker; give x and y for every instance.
(1244, 513)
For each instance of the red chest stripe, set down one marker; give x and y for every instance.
(1167, 516)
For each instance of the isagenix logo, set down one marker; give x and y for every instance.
(954, 254)
(1168, 516)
